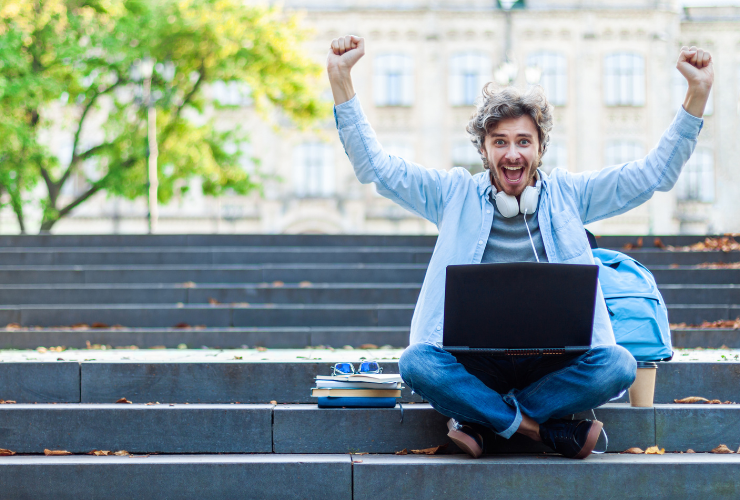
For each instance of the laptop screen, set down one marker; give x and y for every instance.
(519, 305)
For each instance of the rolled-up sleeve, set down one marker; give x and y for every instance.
(422, 191)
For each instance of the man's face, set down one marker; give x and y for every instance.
(512, 150)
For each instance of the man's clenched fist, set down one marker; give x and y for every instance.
(344, 53)
(695, 65)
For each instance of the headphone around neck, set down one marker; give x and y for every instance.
(508, 205)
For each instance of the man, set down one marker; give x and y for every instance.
(483, 218)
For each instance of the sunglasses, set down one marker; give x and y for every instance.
(349, 369)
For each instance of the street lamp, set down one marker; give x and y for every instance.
(147, 69)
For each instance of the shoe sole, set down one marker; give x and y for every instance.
(591, 438)
(464, 442)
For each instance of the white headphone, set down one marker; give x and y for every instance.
(527, 204)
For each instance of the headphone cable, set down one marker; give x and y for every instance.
(530, 236)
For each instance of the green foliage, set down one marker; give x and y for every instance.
(76, 64)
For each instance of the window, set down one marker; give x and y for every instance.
(313, 174)
(469, 72)
(556, 156)
(696, 182)
(553, 68)
(231, 93)
(624, 79)
(393, 82)
(621, 151)
(465, 155)
(680, 86)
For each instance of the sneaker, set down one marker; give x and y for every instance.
(571, 438)
(465, 438)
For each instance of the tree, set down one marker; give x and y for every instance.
(81, 59)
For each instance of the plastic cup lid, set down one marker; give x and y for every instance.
(647, 364)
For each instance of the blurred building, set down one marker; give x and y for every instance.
(607, 66)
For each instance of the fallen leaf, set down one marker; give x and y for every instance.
(213, 301)
(122, 453)
(690, 400)
(41, 350)
(368, 346)
(260, 348)
(99, 453)
(403, 452)
(690, 451)
(273, 402)
(634, 451)
(430, 451)
(182, 325)
(6, 453)
(658, 243)
(188, 284)
(277, 283)
(13, 326)
(80, 326)
(305, 284)
(158, 347)
(7, 402)
(99, 325)
(124, 401)
(49, 453)
(238, 357)
(357, 461)
(653, 450)
(723, 449)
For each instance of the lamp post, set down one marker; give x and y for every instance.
(147, 69)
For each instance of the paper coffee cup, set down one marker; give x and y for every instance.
(643, 388)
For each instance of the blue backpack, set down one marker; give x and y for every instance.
(637, 310)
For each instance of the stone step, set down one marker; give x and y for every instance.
(277, 337)
(61, 256)
(201, 240)
(297, 273)
(269, 315)
(249, 376)
(369, 477)
(202, 477)
(291, 293)
(302, 429)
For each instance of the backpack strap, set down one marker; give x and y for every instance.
(591, 239)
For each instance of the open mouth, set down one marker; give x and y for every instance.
(513, 174)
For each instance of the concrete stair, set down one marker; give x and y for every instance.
(281, 291)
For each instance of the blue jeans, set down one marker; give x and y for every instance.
(495, 392)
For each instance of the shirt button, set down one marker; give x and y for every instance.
(480, 242)
(488, 211)
(439, 328)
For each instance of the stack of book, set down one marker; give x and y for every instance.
(359, 390)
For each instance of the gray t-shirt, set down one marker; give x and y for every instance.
(508, 240)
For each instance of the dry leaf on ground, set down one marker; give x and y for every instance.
(305, 284)
(634, 451)
(124, 401)
(277, 283)
(368, 346)
(7, 402)
(122, 453)
(6, 453)
(653, 450)
(722, 449)
(188, 284)
(403, 452)
(260, 348)
(99, 453)
(99, 325)
(273, 402)
(690, 400)
(690, 451)
(430, 451)
(49, 452)
(658, 243)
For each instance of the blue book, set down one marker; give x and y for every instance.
(329, 402)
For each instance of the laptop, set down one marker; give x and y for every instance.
(521, 308)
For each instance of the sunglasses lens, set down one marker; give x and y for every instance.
(369, 367)
(345, 368)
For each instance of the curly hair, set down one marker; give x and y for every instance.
(509, 102)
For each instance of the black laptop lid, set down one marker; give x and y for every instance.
(519, 305)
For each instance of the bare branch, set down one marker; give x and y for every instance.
(188, 97)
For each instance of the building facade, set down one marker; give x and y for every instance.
(608, 67)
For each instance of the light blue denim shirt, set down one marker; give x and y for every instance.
(459, 205)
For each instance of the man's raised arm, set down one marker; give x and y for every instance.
(412, 186)
(617, 189)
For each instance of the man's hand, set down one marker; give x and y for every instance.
(343, 55)
(696, 66)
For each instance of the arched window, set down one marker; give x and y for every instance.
(465, 155)
(696, 182)
(469, 72)
(313, 170)
(619, 152)
(556, 156)
(393, 82)
(624, 79)
(553, 75)
(680, 86)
